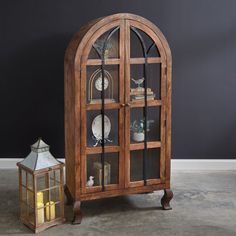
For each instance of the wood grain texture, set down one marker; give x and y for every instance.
(76, 107)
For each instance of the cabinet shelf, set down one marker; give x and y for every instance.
(111, 61)
(140, 146)
(97, 150)
(133, 104)
(108, 187)
(106, 106)
(133, 146)
(150, 60)
(141, 182)
(150, 103)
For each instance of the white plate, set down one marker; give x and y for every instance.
(97, 127)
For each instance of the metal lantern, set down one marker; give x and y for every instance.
(41, 188)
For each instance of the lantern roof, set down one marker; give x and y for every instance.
(39, 157)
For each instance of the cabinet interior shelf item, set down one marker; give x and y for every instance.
(117, 111)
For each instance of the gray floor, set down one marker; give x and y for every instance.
(204, 204)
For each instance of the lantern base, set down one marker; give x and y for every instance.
(44, 226)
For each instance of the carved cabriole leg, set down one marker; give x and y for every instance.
(69, 199)
(165, 201)
(77, 213)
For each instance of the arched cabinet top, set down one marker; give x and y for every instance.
(81, 44)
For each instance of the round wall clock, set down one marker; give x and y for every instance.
(98, 83)
(95, 87)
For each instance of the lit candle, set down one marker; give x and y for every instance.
(40, 212)
(50, 210)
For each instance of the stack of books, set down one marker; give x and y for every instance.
(98, 173)
(139, 93)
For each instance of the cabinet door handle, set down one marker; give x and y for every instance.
(127, 104)
(122, 105)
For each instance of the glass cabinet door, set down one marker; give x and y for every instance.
(102, 114)
(145, 115)
(123, 95)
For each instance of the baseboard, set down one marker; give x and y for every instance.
(176, 164)
(203, 164)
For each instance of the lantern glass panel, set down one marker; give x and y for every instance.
(31, 215)
(58, 175)
(54, 178)
(42, 182)
(23, 208)
(58, 210)
(30, 198)
(23, 194)
(29, 181)
(45, 196)
(55, 194)
(23, 177)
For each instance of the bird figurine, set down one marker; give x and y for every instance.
(138, 81)
(90, 182)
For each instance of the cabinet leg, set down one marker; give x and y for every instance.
(69, 199)
(77, 213)
(165, 201)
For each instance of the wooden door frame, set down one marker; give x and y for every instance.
(120, 147)
(162, 60)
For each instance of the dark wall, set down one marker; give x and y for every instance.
(202, 37)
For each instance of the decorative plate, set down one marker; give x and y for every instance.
(97, 127)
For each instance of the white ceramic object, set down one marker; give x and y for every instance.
(90, 182)
(138, 137)
(97, 127)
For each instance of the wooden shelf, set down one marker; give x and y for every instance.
(111, 61)
(99, 188)
(97, 150)
(140, 146)
(141, 182)
(141, 103)
(133, 146)
(133, 104)
(116, 61)
(107, 106)
(142, 60)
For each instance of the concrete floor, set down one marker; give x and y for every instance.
(204, 204)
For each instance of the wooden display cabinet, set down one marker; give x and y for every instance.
(117, 111)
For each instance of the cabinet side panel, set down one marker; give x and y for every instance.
(168, 123)
(69, 121)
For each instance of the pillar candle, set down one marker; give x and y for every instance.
(39, 197)
(40, 212)
(50, 210)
